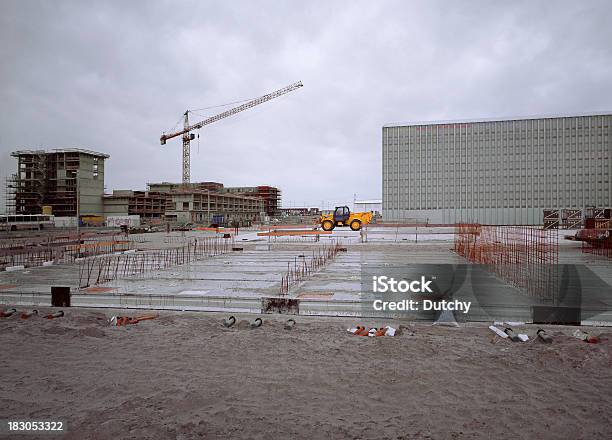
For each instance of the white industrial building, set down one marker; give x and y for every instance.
(374, 205)
(496, 171)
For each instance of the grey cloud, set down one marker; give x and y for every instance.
(111, 76)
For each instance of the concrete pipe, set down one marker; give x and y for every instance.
(55, 315)
(544, 337)
(513, 337)
(290, 324)
(26, 315)
(257, 323)
(229, 321)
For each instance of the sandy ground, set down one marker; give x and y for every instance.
(186, 376)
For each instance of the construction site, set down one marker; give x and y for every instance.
(294, 270)
(206, 247)
(196, 284)
(306, 220)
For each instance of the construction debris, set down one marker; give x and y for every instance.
(579, 334)
(125, 320)
(7, 313)
(511, 335)
(55, 315)
(498, 332)
(544, 337)
(372, 332)
(229, 322)
(26, 315)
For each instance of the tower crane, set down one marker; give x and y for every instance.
(187, 129)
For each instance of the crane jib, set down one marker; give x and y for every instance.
(233, 111)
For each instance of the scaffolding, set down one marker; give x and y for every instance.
(29, 184)
(10, 188)
(53, 179)
(525, 257)
(271, 197)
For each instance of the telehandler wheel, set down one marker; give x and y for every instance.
(327, 225)
(355, 225)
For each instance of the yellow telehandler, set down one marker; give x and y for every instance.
(342, 216)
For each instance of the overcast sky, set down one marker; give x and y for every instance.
(111, 76)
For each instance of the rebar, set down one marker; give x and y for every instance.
(526, 257)
(302, 267)
(101, 269)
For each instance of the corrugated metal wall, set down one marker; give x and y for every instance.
(496, 172)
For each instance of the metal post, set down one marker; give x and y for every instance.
(186, 150)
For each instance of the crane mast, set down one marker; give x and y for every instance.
(186, 150)
(187, 129)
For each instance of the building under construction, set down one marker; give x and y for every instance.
(165, 187)
(202, 202)
(503, 172)
(148, 205)
(201, 206)
(179, 203)
(66, 180)
(270, 195)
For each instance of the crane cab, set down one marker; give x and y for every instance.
(341, 214)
